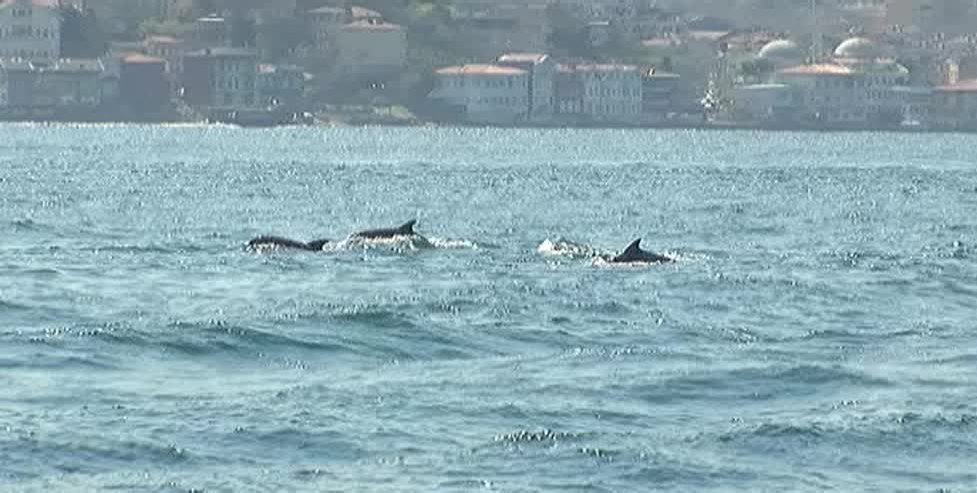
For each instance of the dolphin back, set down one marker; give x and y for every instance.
(633, 249)
(407, 229)
(275, 242)
(634, 253)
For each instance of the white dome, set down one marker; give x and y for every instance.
(782, 53)
(859, 48)
(781, 48)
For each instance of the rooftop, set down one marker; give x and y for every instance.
(480, 69)
(364, 13)
(523, 58)
(224, 52)
(818, 69)
(139, 58)
(328, 9)
(371, 25)
(596, 67)
(37, 3)
(962, 86)
(858, 48)
(163, 40)
(781, 49)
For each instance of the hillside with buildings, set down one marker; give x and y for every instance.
(785, 63)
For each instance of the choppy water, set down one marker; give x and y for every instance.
(818, 331)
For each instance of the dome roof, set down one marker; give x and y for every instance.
(781, 49)
(860, 48)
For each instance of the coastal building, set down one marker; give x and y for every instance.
(493, 94)
(170, 49)
(658, 90)
(18, 83)
(955, 106)
(30, 29)
(765, 103)
(107, 11)
(325, 23)
(541, 86)
(371, 48)
(781, 53)
(144, 87)
(210, 31)
(220, 77)
(599, 93)
(62, 84)
(854, 88)
(280, 85)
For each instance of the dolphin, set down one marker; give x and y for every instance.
(406, 229)
(276, 242)
(634, 254)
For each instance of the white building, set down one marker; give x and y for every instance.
(542, 74)
(606, 93)
(30, 29)
(371, 47)
(484, 93)
(854, 88)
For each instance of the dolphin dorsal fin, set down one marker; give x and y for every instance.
(634, 247)
(407, 228)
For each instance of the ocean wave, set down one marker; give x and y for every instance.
(537, 437)
(139, 249)
(39, 361)
(755, 383)
(881, 427)
(195, 338)
(8, 306)
(35, 453)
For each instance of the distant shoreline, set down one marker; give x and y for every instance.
(436, 124)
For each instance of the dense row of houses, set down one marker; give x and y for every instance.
(533, 88)
(886, 75)
(860, 85)
(201, 69)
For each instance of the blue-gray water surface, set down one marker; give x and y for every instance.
(817, 331)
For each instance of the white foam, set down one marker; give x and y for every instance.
(564, 248)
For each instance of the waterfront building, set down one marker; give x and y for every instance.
(280, 85)
(30, 30)
(542, 73)
(658, 90)
(325, 24)
(599, 93)
(955, 105)
(210, 31)
(143, 84)
(220, 77)
(856, 87)
(62, 84)
(170, 49)
(494, 94)
(371, 48)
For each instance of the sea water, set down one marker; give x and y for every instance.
(817, 331)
